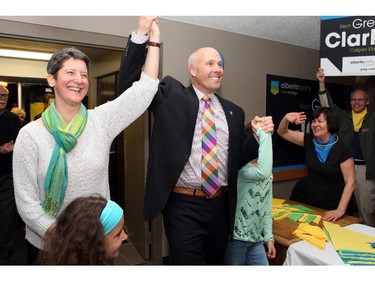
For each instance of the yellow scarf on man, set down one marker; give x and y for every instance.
(358, 119)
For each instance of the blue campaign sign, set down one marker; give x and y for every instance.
(347, 46)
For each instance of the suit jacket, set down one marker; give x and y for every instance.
(175, 108)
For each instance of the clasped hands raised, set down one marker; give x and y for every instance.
(265, 123)
(148, 25)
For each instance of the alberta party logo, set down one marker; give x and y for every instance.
(275, 87)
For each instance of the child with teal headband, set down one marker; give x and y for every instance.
(110, 216)
(89, 231)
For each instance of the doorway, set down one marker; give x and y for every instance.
(26, 93)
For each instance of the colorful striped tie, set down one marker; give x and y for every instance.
(210, 177)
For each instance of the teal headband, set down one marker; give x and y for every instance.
(111, 215)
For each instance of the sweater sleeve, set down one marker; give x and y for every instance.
(323, 98)
(28, 192)
(114, 116)
(326, 100)
(267, 227)
(263, 169)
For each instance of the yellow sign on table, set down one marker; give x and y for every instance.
(353, 247)
(277, 201)
(346, 239)
(312, 234)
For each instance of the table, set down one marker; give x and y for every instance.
(303, 253)
(283, 229)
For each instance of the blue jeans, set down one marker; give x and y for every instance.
(246, 253)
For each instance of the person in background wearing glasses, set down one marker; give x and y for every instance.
(9, 128)
(357, 129)
(89, 231)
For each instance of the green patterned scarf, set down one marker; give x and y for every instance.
(66, 139)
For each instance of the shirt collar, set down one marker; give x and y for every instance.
(200, 94)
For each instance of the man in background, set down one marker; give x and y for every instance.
(9, 128)
(47, 100)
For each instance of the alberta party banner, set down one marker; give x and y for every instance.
(347, 45)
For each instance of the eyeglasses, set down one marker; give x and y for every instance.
(4, 95)
(358, 100)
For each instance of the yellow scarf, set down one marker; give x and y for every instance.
(358, 119)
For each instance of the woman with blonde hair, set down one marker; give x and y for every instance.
(20, 113)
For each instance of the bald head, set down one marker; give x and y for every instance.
(198, 54)
(206, 70)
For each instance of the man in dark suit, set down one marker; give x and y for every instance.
(197, 226)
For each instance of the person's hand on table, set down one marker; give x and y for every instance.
(333, 215)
